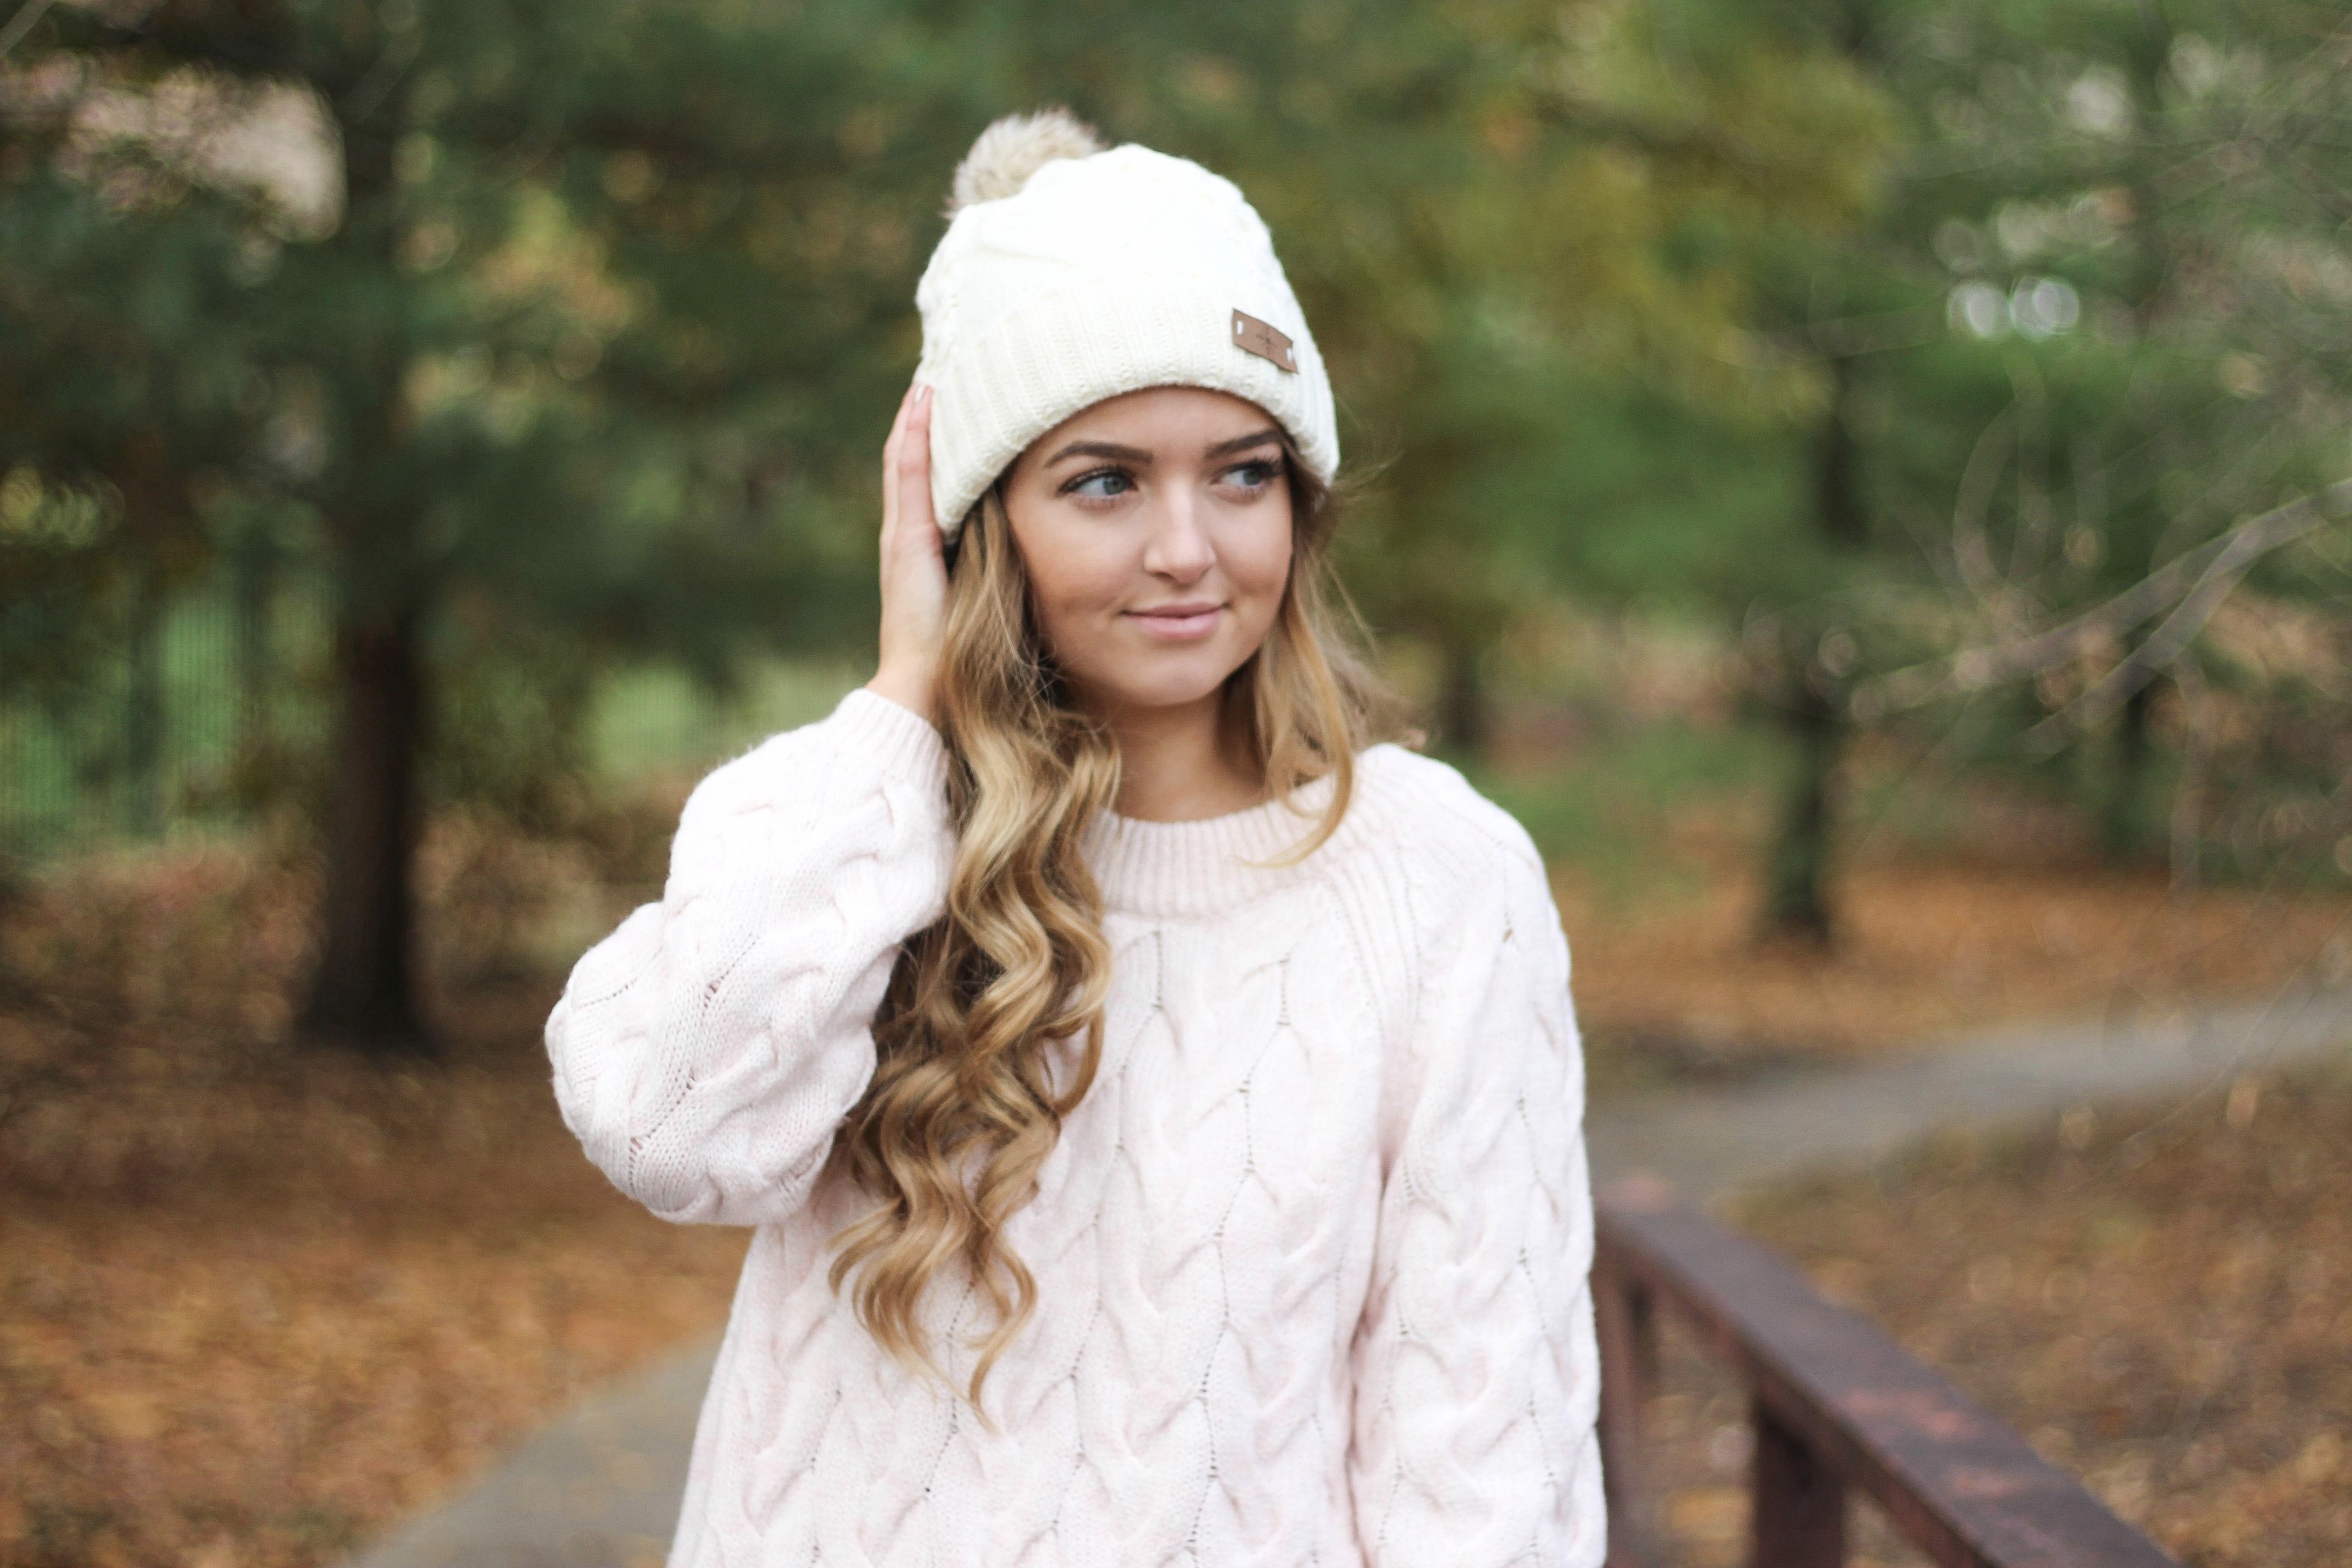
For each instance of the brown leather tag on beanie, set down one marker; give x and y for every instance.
(1260, 338)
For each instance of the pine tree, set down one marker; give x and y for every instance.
(607, 291)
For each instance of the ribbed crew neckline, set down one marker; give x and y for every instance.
(1213, 863)
(1157, 868)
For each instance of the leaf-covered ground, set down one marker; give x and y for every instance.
(1676, 987)
(2160, 1300)
(256, 1302)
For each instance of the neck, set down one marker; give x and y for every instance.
(1180, 763)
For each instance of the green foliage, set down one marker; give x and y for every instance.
(1606, 808)
(2125, 214)
(618, 297)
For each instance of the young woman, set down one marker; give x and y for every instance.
(1160, 1105)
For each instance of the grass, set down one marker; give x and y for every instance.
(65, 775)
(1603, 810)
(655, 720)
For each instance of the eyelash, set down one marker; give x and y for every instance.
(1271, 468)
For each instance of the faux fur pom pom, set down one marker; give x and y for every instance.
(1015, 148)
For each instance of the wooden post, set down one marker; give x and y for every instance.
(1626, 1325)
(1797, 1505)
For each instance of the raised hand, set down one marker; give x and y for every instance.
(914, 566)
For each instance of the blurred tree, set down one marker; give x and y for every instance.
(1489, 206)
(1877, 330)
(1802, 649)
(122, 359)
(584, 342)
(2055, 361)
(609, 293)
(2129, 211)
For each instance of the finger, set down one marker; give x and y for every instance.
(890, 465)
(915, 465)
(897, 434)
(905, 402)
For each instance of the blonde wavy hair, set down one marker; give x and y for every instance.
(963, 1108)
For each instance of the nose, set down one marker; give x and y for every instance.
(1179, 548)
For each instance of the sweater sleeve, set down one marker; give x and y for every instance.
(705, 1052)
(1476, 1371)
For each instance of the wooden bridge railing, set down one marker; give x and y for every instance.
(1835, 1405)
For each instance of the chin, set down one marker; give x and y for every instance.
(1178, 683)
(1159, 693)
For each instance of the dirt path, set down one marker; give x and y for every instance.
(599, 1487)
(1708, 1141)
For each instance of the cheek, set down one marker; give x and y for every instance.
(1257, 562)
(1076, 583)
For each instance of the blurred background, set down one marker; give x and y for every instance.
(1863, 480)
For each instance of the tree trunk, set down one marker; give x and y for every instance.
(2123, 819)
(364, 991)
(1796, 868)
(1461, 717)
(1796, 876)
(1837, 491)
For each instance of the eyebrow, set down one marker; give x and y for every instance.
(1137, 455)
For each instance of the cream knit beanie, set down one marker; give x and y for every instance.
(1069, 274)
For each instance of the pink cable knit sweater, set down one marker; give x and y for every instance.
(1311, 1256)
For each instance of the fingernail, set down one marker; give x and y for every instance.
(924, 396)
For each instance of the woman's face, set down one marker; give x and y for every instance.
(1155, 530)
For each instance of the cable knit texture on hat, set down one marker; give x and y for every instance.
(1068, 276)
(1311, 1255)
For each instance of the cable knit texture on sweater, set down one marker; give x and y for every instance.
(1311, 1256)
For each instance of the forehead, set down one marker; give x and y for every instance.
(1158, 418)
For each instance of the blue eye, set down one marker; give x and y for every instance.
(1103, 484)
(1254, 475)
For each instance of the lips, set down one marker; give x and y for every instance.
(1179, 622)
